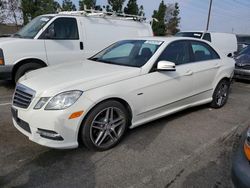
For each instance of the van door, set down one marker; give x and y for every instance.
(63, 41)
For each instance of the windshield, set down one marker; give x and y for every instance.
(189, 34)
(134, 53)
(245, 50)
(32, 28)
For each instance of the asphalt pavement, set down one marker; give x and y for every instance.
(189, 149)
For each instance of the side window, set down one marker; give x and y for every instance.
(176, 52)
(207, 37)
(202, 51)
(120, 51)
(62, 29)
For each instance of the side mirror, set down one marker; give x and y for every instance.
(230, 55)
(166, 66)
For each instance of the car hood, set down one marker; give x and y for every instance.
(8, 39)
(76, 76)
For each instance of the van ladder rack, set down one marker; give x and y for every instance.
(96, 13)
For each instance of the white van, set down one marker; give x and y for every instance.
(65, 37)
(225, 42)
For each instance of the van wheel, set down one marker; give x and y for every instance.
(104, 126)
(220, 95)
(26, 68)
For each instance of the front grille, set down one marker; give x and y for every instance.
(23, 96)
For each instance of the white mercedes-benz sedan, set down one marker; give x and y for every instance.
(126, 85)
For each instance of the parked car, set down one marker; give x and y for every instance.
(225, 42)
(243, 41)
(126, 85)
(241, 163)
(242, 65)
(65, 37)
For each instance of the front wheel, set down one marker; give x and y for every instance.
(220, 94)
(26, 68)
(104, 126)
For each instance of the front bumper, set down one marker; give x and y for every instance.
(6, 72)
(242, 74)
(240, 168)
(31, 122)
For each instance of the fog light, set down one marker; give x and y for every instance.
(49, 134)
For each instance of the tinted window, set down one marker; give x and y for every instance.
(207, 37)
(189, 34)
(176, 52)
(62, 29)
(202, 51)
(245, 50)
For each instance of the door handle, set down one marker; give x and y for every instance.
(81, 46)
(188, 73)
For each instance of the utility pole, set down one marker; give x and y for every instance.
(209, 13)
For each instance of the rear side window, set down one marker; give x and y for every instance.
(207, 37)
(202, 51)
(176, 52)
(62, 29)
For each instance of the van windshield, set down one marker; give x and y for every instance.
(133, 53)
(32, 28)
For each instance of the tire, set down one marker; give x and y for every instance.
(220, 94)
(101, 133)
(26, 68)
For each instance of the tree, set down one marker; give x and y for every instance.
(166, 19)
(159, 26)
(172, 19)
(89, 4)
(116, 5)
(141, 11)
(68, 5)
(131, 8)
(10, 12)
(34, 8)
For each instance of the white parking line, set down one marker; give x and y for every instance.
(5, 104)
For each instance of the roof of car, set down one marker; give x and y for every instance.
(167, 38)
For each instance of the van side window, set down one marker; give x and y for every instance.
(207, 37)
(62, 29)
(202, 51)
(176, 52)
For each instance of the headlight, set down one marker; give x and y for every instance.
(63, 100)
(41, 102)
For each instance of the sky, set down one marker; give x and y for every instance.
(226, 16)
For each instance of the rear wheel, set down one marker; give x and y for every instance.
(26, 68)
(220, 95)
(104, 126)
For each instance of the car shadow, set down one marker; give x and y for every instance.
(141, 137)
(7, 84)
(53, 168)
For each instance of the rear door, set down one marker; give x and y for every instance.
(63, 41)
(207, 63)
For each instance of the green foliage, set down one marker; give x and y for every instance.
(166, 19)
(159, 26)
(68, 5)
(89, 4)
(141, 11)
(131, 8)
(116, 5)
(34, 8)
(172, 26)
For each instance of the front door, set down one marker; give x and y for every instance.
(63, 41)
